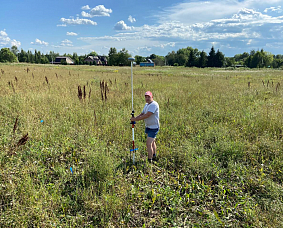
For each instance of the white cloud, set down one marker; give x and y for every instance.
(86, 7)
(5, 40)
(78, 21)
(249, 42)
(67, 42)
(39, 42)
(170, 44)
(121, 25)
(15, 43)
(131, 19)
(62, 25)
(3, 33)
(98, 11)
(231, 24)
(71, 34)
(204, 11)
(273, 9)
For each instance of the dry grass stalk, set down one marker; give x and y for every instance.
(263, 83)
(84, 93)
(16, 79)
(32, 75)
(15, 126)
(23, 140)
(106, 87)
(28, 69)
(70, 73)
(267, 84)
(56, 75)
(80, 93)
(11, 84)
(2, 71)
(249, 84)
(46, 79)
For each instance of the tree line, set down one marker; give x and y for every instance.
(188, 57)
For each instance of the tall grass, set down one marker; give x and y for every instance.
(65, 157)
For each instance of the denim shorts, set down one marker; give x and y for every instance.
(151, 132)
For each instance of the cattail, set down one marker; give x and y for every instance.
(15, 125)
(46, 79)
(249, 84)
(102, 85)
(101, 94)
(277, 87)
(28, 69)
(267, 83)
(13, 87)
(84, 93)
(168, 103)
(94, 114)
(16, 79)
(105, 91)
(23, 140)
(56, 75)
(263, 83)
(2, 71)
(80, 94)
(89, 93)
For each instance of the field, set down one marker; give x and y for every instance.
(64, 147)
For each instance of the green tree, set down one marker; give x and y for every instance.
(193, 58)
(123, 56)
(211, 58)
(202, 59)
(171, 58)
(75, 57)
(22, 56)
(152, 56)
(93, 53)
(112, 57)
(139, 59)
(230, 61)
(15, 50)
(219, 59)
(181, 59)
(7, 56)
(159, 60)
(260, 59)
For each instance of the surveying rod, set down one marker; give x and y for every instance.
(133, 112)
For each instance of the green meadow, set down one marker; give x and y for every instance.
(65, 139)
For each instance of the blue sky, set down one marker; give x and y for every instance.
(142, 27)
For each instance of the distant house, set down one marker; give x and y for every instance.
(61, 59)
(97, 60)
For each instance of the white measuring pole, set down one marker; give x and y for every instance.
(133, 112)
